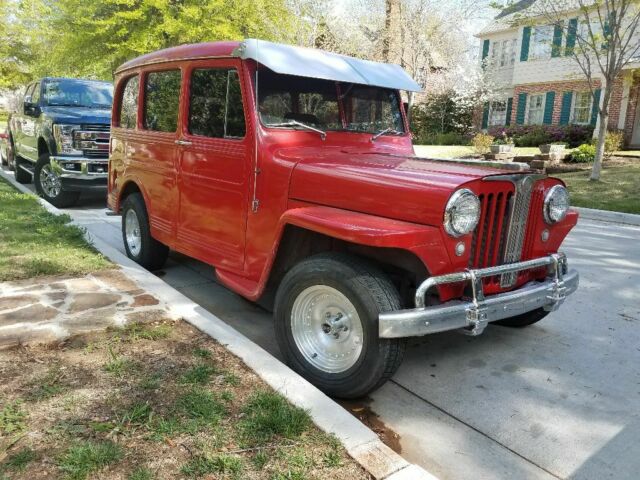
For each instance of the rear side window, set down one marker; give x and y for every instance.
(216, 104)
(35, 96)
(129, 103)
(162, 98)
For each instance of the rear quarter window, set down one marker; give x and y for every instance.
(162, 99)
(129, 103)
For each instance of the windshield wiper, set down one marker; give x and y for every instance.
(295, 123)
(384, 132)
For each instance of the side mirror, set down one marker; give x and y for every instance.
(29, 107)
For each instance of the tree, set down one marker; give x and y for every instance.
(606, 41)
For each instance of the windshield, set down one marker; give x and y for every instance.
(74, 93)
(327, 105)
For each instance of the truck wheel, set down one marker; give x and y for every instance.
(326, 321)
(141, 247)
(523, 320)
(49, 186)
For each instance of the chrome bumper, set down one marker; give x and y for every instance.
(86, 168)
(473, 316)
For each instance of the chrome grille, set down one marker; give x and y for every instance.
(501, 233)
(93, 140)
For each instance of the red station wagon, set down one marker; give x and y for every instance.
(292, 172)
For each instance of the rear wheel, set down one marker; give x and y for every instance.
(140, 246)
(326, 316)
(49, 185)
(524, 320)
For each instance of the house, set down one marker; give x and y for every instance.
(538, 81)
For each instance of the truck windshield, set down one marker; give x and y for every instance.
(327, 105)
(76, 93)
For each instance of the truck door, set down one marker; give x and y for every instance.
(29, 141)
(17, 122)
(214, 166)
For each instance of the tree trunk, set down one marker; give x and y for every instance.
(391, 52)
(597, 162)
(602, 131)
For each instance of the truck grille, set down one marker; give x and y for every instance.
(93, 140)
(501, 236)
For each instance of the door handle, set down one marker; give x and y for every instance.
(184, 143)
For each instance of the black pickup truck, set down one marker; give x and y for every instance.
(60, 137)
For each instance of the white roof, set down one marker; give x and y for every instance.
(313, 63)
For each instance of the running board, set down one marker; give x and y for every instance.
(27, 169)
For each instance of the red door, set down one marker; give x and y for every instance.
(215, 158)
(154, 153)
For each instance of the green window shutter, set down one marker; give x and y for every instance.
(509, 108)
(572, 29)
(606, 31)
(557, 40)
(548, 108)
(485, 115)
(565, 113)
(595, 107)
(485, 49)
(524, 50)
(522, 108)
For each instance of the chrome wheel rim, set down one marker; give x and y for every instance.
(327, 329)
(50, 182)
(132, 232)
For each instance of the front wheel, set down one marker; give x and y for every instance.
(49, 185)
(140, 246)
(326, 319)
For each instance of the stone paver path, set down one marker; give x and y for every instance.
(51, 309)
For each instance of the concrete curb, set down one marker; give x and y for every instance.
(607, 216)
(359, 441)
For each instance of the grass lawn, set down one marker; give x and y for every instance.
(34, 242)
(618, 189)
(153, 401)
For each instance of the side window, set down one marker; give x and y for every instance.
(162, 99)
(129, 103)
(29, 91)
(35, 95)
(216, 104)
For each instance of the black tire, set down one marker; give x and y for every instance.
(152, 254)
(524, 320)
(11, 158)
(61, 199)
(371, 292)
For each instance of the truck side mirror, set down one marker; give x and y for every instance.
(29, 107)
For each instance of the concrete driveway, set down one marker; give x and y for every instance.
(560, 399)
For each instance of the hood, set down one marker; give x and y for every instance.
(401, 187)
(76, 115)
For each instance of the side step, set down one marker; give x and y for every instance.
(27, 168)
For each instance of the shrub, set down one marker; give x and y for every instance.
(481, 142)
(536, 135)
(441, 114)
(585, 153)
(613, 142)
(448, 138)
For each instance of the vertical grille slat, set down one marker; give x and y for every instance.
(502, 235)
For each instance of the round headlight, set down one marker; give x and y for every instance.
(462, 213)
(556, 204)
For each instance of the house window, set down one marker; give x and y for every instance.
(498, 113)
(504, 52)
(535, 114)
(495, 47)
(541, 40)
(514, 44)
(581, 112)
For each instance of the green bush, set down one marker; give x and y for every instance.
(585, 153)
(613, 142)
(481, 142)
(448, 138)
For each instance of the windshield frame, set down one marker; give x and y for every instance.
(87, 84)
(342, 89)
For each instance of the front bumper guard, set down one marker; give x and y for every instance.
(89, 167)
(471, 317)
